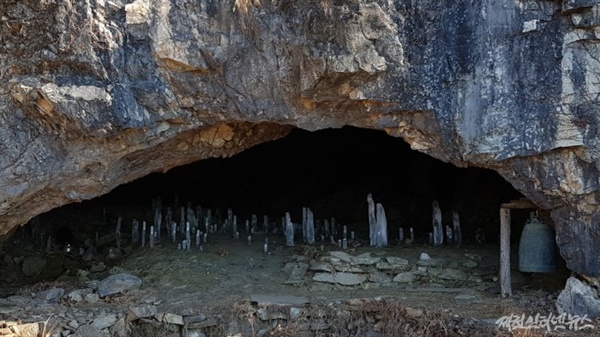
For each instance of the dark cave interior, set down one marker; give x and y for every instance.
(331, 171)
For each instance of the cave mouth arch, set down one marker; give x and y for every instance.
(331, 171)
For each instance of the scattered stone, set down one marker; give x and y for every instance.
(92, 298)
(470, 264)
(77, 296)
(405, 277)
(120, 328)
(347, 279)
(33, 265)
(90, 331)
(343, 256)
(52, 295)
(421, 271)
(73, 324)
(379, 277)
(322, 266)
(424, 257)
(118, 283)
(453, 275)
(397, 261)
(141, 312)
(170, 318)
(104, 321)
(413, 313)
(364, 259)
(578, 299)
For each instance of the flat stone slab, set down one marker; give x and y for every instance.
(321, 266)
(405, 277)
(439, 290)
(347, 279)
(278, 300)
(365, 259)
(393, 260)
(118, 283)
(343, 256)
(453, 274)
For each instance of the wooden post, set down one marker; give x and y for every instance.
(505, 283)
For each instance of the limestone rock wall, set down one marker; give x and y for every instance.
(96, 93)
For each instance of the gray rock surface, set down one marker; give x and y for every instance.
(453, 275)
(104, 321)
(346, 279)
(92, 102)
(52, 295)
(406, 277)
(578, 299)
(118, 283)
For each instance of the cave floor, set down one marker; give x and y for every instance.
(227, 272)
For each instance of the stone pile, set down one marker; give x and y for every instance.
(342, 269)
(59, 313)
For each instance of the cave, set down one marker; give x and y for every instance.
(330, 171)
(265, 107)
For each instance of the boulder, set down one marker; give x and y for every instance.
(578, 299)
(118, 283)
(52, 295)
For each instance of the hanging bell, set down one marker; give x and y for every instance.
(537, 247)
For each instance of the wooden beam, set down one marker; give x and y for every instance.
(505, 282)
(519, 204)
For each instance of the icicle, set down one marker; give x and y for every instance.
(118, 232)
(135, 232)
(381, 233)
(372, 220)
(449, 235)
(310, 227)
(253, 224)
(438, 232)
(289, 230)
(457, 232)
(151, 236)
(401, 234)
(143, 234)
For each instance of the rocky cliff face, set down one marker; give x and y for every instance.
(96, 93)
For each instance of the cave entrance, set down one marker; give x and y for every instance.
(331, 172)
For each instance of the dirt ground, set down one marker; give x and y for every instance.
(230, 271)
